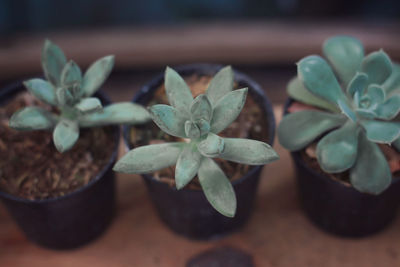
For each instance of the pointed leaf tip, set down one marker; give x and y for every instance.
(217, 188)
(97, 74)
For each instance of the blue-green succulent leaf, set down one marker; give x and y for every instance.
(119, 113)
(297, 91)
(227, 109)
(376, 94)
(42, 90)
(88, 105)
(358, 84)
(393, 82)
(64, 96)
(377, 66)
(192, 130)
(53, 62)
(381, 131)
(365, 113)
(201, 108)
(217, 188)
(169, 119)
(346, 110)
(65, 135)
(32, 118)
(319, 79)
(187, 165)
(220, 85)
(299, 129)
(204, 126)
(178, 93)
(370, 173)
(212, 146)
(147, 159)
(96, 74)
(345, 53)
(71, 74)
(389, 109)
(337, 151)
(247, 151)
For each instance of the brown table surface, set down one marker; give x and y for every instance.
(277, 234)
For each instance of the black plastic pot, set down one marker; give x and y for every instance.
(72, 220)
(187, 211)
(340, 209)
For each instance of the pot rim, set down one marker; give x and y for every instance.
(210, 69)
(296, 156)
(7, 92)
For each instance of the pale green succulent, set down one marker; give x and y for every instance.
(199, 120)
(359, 116)
(70, 92)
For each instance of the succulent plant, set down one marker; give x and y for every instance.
(198, 121)
(360, 102)
(71, 93)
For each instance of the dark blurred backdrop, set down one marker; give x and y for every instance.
(44, 15)
(263, 38)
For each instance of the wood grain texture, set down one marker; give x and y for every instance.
(278, 233)
(274, 42)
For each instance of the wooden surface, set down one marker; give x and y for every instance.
(263, 42)
(278, 233)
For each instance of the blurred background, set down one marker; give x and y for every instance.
(261, 37)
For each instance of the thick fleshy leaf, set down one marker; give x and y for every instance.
(318, 78)
(212, 146)
(381, 131)
(120, 113)
(53, 62)
(393, 82)
(192, 130)
(217, 188)
(248, 151)
(377, 66)
(389, 109)
(371, 172)
(71, 74)
(227, 109)
(169, 119)
(42, 90)
(32, 118)
(376, 94)
(201, 108)
(346, 110)
(297, 130)
(345, 53)
(90, 104)
(358, 84)
(178, 93)
(337, 151)
(65, 135)
(146, 159)
(220, 85)
(64, 96)
(96, 74)
(204, 126)
(187, 165)
(297, 91)
(366, 113)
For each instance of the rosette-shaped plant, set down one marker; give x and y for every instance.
(198, 121)
(70, 92)
(361, 99)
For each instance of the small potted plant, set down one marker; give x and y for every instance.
(63, 200)
(196, 198)
(343, 130)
